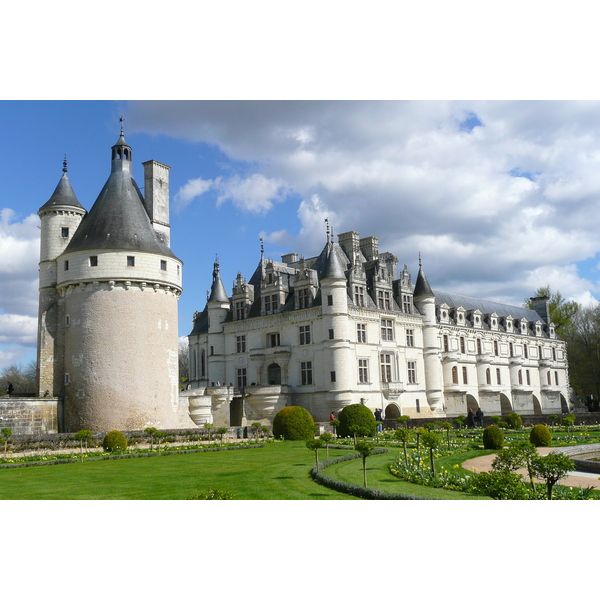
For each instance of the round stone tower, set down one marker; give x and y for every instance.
(60, 217)
(119, 283)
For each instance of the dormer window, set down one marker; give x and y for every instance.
(304, 298)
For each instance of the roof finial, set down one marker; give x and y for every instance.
(65, 164)
(327, 228)
(262, 249)
(121, 120)
(420, 260)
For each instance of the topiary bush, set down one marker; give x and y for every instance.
(493, 438)
(293, 423)
(514, 420)
(114, 440)
(540, 436)
(358, 416)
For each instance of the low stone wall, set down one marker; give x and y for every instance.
(30, 416)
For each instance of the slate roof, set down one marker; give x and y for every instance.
(63, 195)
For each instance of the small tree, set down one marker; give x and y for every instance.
(403, 420)
(83, 436)
(358, 430)
(364, 449)
(256, 429)
(553, 419)
(568, 422)
(264, 431)
(315, 445)
(432, 441)
(447, 426)
(419, 431)
(327, 438)
(151, 431)
(459, 421)
(6, 434)
(222, 431)
(552, 469)
(159, 435)
(404, 436)
(208, 427)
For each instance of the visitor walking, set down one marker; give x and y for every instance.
(332, 416)
(379, 420)
(9, 388)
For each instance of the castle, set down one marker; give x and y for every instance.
(108, 290)
(340, 328)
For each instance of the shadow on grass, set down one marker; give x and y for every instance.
(283, 477)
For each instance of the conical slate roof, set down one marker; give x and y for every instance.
(333, 267)
(63, 195)
(217, 289)
(422, 287)
(118, 219)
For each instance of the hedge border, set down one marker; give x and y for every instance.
(354, 489)
(62, 461)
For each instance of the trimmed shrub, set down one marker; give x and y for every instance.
(293, 423)
(540, 436)
(514, 420)
(357, 416)
(493, 438)
(114, 440)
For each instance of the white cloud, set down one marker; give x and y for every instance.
(190, 191)
(18, 329)
(487, 204)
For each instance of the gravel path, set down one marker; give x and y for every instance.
(574, 479)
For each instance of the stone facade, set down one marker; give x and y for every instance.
(109, 288)
(341, 328)
(30, 416)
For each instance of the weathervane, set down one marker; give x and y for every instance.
(121, 120)
(65, 164)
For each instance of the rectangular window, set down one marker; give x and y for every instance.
(268, 309)
(241, 343)
(306, 372)
(359, 295)
(383, 300)
(67, 320)
(304, 298)
(556, 377)
(361, 333)
(454, 375)
(66, 265)
(406, 303)
(528, 377)
(67, 379)
(329, 300)
(304, 335)
(498, 379)
(488, 377)
(131, 261)
(274, 340)
(331, 333)
(525, 351)
(418, 405)
(496, 348)
(479, 346)
(240, 310)
(332, 376)
(465, 380)
(386, 367)
(64, 232)
(410, 337)
(446, 343)
(363, 370)
(241, 378)
(163, 265)
(387, 330)
(93, 261)
(412, 372)
(520, 377)
(462, 346)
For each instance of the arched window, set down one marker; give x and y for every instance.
(488, 377)
(454, 375)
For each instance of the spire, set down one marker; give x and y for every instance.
(422, 287)
(121, 153)
(63, 194)
(217, 289)
(333, 268)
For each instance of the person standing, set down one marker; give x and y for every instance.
(470, 419)
(379, 419)
(10, 388)
(479, 416)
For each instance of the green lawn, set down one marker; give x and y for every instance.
(279, 471)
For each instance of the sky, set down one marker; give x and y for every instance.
(498, 197)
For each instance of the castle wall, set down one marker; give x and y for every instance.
(121, 357)
(30, 416)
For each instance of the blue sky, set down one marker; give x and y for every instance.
(498, 197)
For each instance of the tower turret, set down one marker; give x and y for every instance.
(60, 217)
(218, 306)
(424, 300)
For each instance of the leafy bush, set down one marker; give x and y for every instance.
(493, 438)
(213, 494)
(114, 440)
(358, 416)
(540, 436)
(514, 420)
(499, 485)
(293, 423)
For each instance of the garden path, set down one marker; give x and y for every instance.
(573, 479)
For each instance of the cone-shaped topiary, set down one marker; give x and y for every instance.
(493, 438)
(293, 423)
(358, 416)
(540, 436)
(114, 440)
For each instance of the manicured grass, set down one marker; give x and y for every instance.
(279, 471)
(379, 477)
